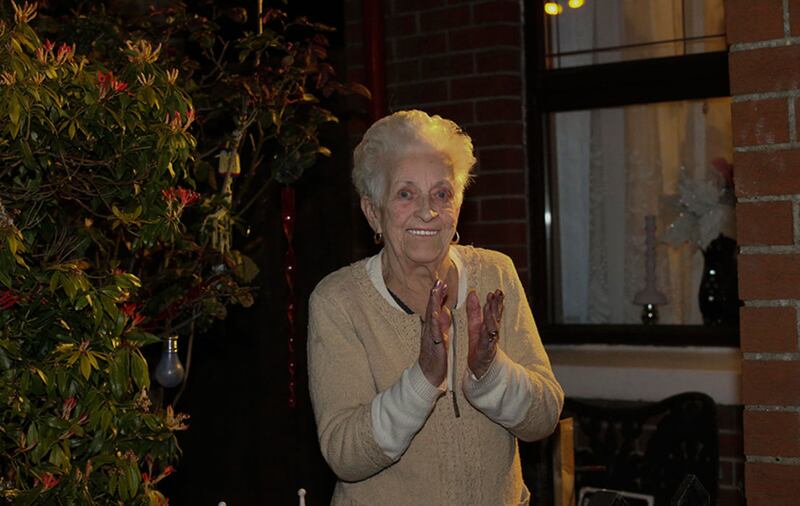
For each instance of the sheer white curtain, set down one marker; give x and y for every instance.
(613, 168)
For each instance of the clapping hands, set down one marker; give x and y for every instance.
(484, 330)
(435, 338)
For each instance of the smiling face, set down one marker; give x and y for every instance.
(420, 209)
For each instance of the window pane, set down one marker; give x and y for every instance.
(608, 31)
(612, 168)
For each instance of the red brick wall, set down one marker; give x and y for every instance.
(463, 60)
(731, 462)
(765, 84)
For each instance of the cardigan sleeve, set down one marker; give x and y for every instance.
(360, 430)
(519, 391)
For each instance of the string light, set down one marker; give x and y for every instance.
(288, 218)
(575, 4)
(552, 8)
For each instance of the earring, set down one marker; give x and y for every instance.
(378, 238)
(456, 238)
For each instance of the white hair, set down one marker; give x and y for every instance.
(402, 133)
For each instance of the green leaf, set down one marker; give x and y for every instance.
(118, 375)
(14, 109)
(28, 498)
(109, 306)
(61, 381)
(38, 452)
(41, 375)
(97, 313)
(68, 284)
(86, 367)
(67, 453)
(112, 484)
(73, 358)
(15, 129)
(56, 423)
(92, 356)
(122, 485)
(105, 419)
(119, 324)
(97, 442)
(82, 302)
(139, 370)
(128, 280)
(5, 279)
(57, 456)
(13, 244)
(32, 437)
(142, 338)
(55, 280)
(133, 477)
(27, 154)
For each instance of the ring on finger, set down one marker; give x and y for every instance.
(492, 335)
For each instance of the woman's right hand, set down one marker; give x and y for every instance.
(435, 337)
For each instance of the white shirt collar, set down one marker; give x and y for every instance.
(375, 271)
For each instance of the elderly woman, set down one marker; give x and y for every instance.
(420, 390)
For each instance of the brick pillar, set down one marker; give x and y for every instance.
(765, 84)
(463, 60)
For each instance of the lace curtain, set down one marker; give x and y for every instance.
(615, 166)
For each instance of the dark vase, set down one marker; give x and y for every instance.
(719, 290)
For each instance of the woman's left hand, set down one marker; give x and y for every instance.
(484, 330)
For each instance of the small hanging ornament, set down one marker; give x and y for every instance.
(169, 371)
(229, 163)
(221, 221)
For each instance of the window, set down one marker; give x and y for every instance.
(628, 106)
(610, 31)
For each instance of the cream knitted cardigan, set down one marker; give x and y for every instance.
(360, 345)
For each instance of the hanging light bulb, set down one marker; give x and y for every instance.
(169, 371)
(553, 8)
(575, 4)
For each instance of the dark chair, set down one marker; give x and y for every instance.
(619, 454)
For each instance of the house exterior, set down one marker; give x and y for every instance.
(466, 60)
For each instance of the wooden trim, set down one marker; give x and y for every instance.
(633, 82)
(538, 181)
(564, 463)
(641, 335)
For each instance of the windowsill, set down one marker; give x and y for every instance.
(647, 373)
(675, 336)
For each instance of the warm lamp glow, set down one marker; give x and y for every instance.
(553, 8)
(575, 4)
